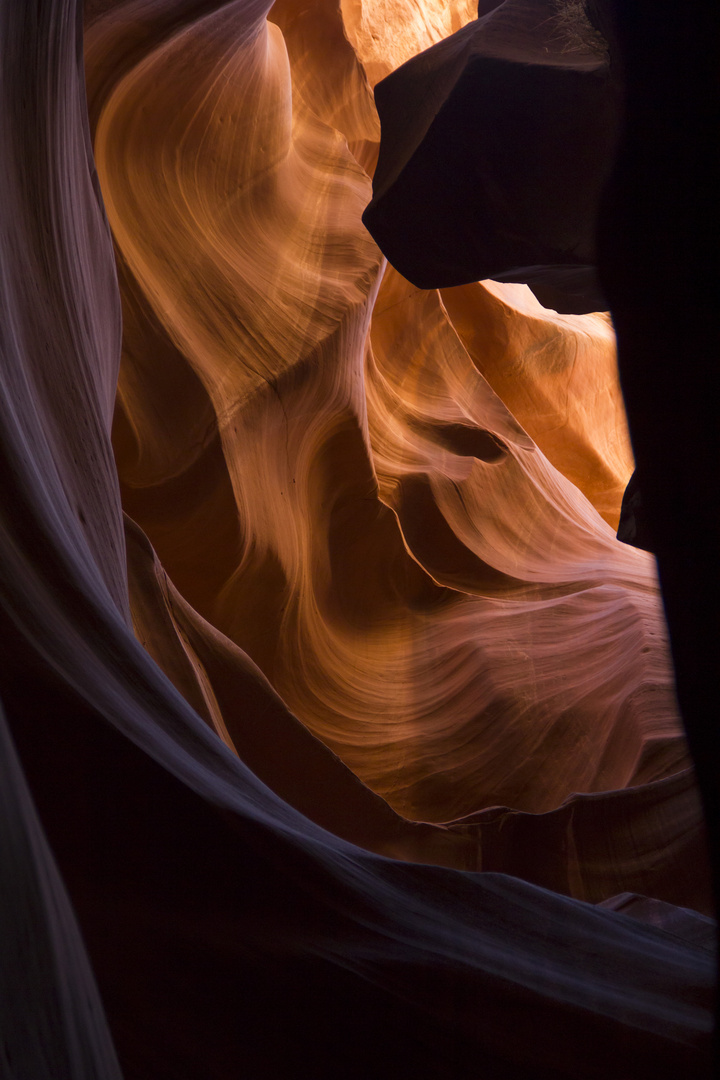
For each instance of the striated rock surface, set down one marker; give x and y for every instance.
(365, 628)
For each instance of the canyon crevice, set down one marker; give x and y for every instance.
(341, 732)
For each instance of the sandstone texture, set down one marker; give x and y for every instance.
(340, 733)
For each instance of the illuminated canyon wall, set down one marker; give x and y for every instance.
(344, 730)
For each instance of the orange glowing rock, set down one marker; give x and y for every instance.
(365, 628)
(334, 477)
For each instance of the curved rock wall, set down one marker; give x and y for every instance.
(365, 629)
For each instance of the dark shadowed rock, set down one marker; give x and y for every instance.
(633, 527)
(495, 146)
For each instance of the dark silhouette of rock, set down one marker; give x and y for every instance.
(633, 527)
(658, 241)
(495, 147)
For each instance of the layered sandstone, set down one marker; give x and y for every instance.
(364, 628)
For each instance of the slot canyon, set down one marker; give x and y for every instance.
(359, 589)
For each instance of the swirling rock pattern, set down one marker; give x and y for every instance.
(386, 633)
(365, 629)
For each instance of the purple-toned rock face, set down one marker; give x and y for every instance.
(339, 732)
